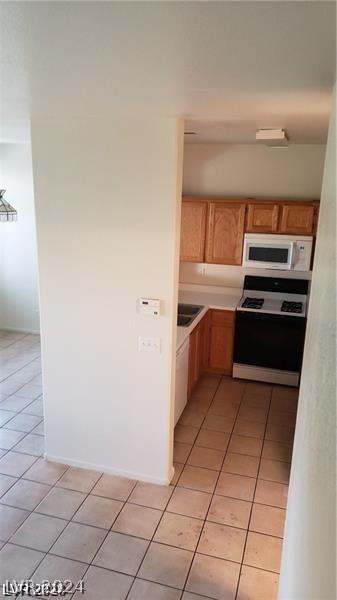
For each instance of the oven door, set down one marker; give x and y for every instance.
(270, 341)
(268, 255)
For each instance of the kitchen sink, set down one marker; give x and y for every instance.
(184, 321)
(187, 313)
(189, 309)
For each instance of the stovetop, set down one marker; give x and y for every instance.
(275, 295)
(273, 303)
(256, 303)
(291, 307)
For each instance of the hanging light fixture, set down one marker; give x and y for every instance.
(7, 212)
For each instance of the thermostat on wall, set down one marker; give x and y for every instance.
(149, 306)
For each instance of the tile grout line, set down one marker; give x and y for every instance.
(69, 521)
(212, 494)
(91, 494)
(25, 434)
(252, 502)
(164, 511)
(12, 449)
(256, 478)
(15, 341)
(37, 458)
(20, 369)
(108, 531)
(3, 426)
(29, 512)
(221, 471)
(16, 452)
(175, 486)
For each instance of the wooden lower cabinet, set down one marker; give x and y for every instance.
(211, 346)
(220, 341)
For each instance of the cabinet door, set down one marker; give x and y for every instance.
(225, 231)
(297, 219)
(262, 218)
(193, 231)
(316, 213)
(221, 339)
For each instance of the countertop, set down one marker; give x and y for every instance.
(222, 298)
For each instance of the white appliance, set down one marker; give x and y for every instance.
(270, 251)
(181, 380)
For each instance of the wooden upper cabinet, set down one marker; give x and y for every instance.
(225, 230)
(213, 232)
(262, 218)
(297, 218)
(193, 231)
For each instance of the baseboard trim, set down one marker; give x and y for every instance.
(109, 470)
(19, 330)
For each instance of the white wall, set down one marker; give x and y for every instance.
(249, 170)
(309, 556)
(108, 197)
(18, 281)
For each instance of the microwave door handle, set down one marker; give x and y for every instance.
(292, 255)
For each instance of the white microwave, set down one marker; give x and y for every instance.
(292, 253)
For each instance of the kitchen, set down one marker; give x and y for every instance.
(245, 274)
(220, 328)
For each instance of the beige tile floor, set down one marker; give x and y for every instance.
(215, 532)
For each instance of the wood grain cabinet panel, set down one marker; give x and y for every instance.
(221, 317)
(316, 213)
(297, 219)
(262, 218)
(225, 230)
(220, 342)
(193, 231)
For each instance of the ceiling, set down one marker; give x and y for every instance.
(227, 67)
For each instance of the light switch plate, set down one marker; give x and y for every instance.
(149, 344)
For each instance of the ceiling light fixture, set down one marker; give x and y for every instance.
(275, 138)
(7, 212)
